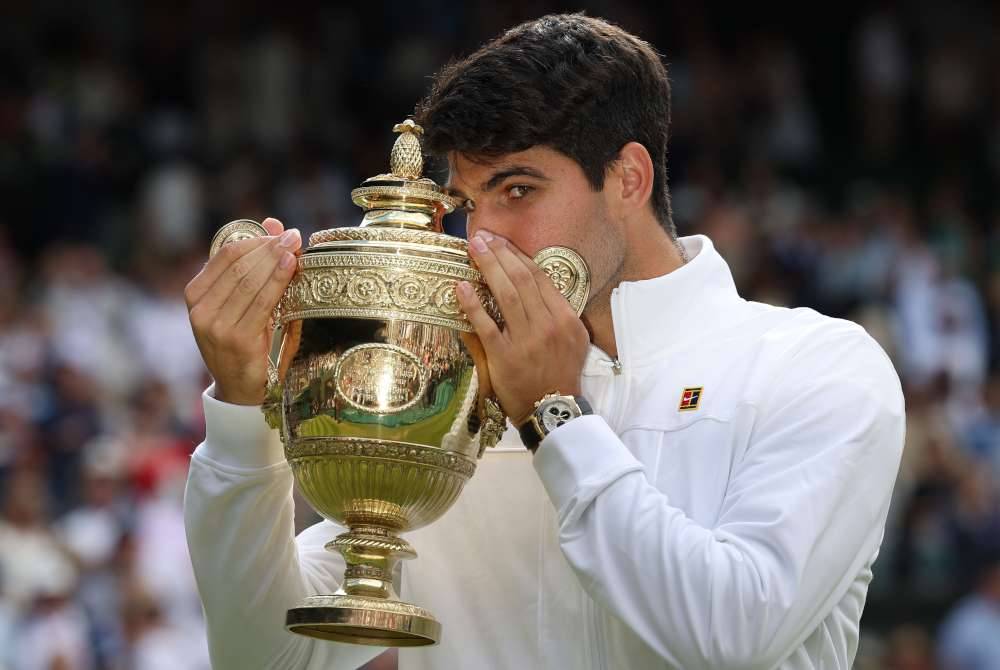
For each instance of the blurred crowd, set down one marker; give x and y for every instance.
(846, 159)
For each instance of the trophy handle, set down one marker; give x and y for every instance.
(236, 231)
(271, 407)
(569, 273)
(490, 417)
(494, 425)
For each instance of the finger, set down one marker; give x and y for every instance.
(258, 313)
(519, 270)
(237, 274)
(273, 226)
(217, 265)
(275, 256)
(554, 300)
(484, 325)
(216, 297)
(503, 289)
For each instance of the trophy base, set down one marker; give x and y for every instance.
(364, 620)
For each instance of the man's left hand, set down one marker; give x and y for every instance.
(543, 343)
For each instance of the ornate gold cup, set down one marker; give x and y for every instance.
(375, 393)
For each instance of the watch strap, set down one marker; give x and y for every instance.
(530, 437)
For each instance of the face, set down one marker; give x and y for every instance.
(539, 198)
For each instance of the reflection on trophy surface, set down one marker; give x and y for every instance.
(375, 393)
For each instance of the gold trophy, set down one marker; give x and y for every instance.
(379, 403)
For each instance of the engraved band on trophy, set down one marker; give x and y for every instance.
(374, 392)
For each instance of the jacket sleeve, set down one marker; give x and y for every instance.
(238, 514)
(803, 513)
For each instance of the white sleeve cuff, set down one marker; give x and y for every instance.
(580, 459)
(237, 436)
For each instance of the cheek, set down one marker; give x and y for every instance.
(561, 222)
(533, 239)
(601, 243)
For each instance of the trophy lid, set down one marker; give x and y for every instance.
(404, 198)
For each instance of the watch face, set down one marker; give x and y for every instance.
(555, 412)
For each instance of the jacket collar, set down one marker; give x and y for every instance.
(654, 316)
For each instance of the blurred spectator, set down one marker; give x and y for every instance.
(982, 437)
(22, 348)
(162, 565)
(53, 634)
(155, 644)
(160, 336)
(975, 523)
(28, 549)
(172, 207)
(909, 647)
(84, 305)
(94, 533)
(73, 419)
(92, 530)
(970, 636)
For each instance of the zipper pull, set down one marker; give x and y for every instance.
(616, 366)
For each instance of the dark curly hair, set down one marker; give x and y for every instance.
(576, 84)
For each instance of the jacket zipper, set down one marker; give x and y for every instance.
(619, 383)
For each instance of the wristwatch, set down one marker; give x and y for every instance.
(552, 411)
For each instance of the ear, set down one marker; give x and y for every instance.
(635, 169)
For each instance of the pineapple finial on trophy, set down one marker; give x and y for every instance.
(403, 197)
(406, 159)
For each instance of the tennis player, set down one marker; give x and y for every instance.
(714, 489)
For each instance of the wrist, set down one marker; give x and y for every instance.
(550, 412)
(525, 411)
(222, 394)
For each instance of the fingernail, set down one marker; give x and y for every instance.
(497, 240)
(478, 243)
(464, 288)
(289, 237)
(286, 260)
(485, 234)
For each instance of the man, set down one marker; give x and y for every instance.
(722, 505)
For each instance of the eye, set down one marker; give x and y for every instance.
(518, 191)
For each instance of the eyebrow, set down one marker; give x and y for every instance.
(498, 177)
(515, 171)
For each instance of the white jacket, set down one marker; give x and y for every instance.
(740, 534)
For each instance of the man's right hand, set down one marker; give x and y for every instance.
(230, 304)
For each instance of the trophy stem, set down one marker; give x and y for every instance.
(366, 609)
(371, 553)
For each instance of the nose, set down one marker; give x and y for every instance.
(474, 223)
(482, 219)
